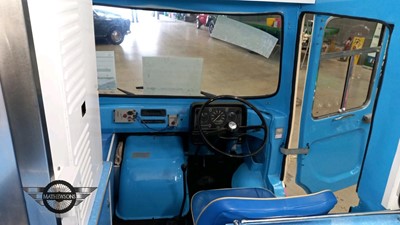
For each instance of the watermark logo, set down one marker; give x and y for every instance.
(59, 196)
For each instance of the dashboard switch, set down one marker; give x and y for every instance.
(172, 120)
(124, 115)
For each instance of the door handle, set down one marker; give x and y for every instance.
(367, 118)
(343, 117)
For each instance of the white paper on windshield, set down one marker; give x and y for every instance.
(172, 76)
(106, 77)
(244, 35)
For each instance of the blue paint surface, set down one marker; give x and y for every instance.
(151, 182)
(384, 134)
(269, 172)
(100, 213)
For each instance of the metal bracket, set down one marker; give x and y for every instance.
(295, 151)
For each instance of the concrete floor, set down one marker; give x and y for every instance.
(149, 36)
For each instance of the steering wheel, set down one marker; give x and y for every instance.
(231, 130)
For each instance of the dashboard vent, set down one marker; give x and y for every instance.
(153, 112)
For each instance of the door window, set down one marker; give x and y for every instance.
(349, 49)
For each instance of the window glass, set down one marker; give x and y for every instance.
(166, 53)
(348, 55)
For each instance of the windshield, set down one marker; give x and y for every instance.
(182, 54)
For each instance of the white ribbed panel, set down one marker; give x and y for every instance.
(83, 140)
(72, 48)
(65, 51)
(74, 68)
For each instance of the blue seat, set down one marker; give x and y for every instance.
(222, 206)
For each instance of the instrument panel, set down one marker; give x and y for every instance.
(216, 116)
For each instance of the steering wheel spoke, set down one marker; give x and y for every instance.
(230, 137)
(215, 131)
(253, 127)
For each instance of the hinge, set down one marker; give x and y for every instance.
(295, 151)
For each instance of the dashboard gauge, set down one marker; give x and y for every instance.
(217, 117)
(232, 116)
(204, 118)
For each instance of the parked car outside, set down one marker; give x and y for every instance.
(110, 26)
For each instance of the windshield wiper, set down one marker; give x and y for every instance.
(207, 94)
(126, 92)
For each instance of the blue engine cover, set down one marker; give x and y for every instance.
(151, 180)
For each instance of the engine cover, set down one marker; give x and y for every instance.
(151, 180)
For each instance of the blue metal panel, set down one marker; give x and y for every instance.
(178, 107)
(385, 132)
(270, 171)
(151, 184)
(330, 164)
(246, 176)
(106, 142)
(101, 212)
(368, 9)
(271, 166)
(106, 213)
(337, 146)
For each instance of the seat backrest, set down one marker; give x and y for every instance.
(226, 209)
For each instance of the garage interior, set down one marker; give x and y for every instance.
(163, 34)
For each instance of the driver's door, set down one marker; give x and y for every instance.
(344, 66)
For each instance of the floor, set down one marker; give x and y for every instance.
(143, 41)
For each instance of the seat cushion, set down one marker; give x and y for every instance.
(219, 207)
(202, 198)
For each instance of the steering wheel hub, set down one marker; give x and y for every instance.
(232, 126)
